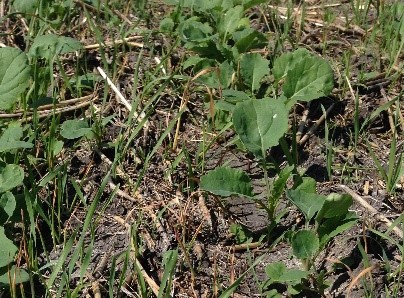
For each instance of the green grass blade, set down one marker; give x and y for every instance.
(59, 265)
(169, 262)
(230, 290)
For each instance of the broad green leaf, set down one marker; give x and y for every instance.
(295, 288)
(222, 117)
(7, 249)
(57, 147)
(225, 74)
(275, 270)
(210, 49)
(197, 5)
(222, 105)
(278, 272)
(49, 45)
(306, 76)
(85, 82)
(288, 61)
(308, 203)
(10, 176)
(272, 294)
(7, 206)
(73, 129)
(226, 4)
(25, 6)
(280, 183)
(334, 205)
(234, 96)
(200, 64)
(220, 78)
(249, 39)
(14, 76)
(293, 275)
(17, 276)
(167, 25)
(230, 20)
(10, 139)
(260, 124)
(192, 30)
(192, 61)
(308, 185)
(331, 227)
(309, 79)
(252, 69)
(224, 181)
(305, 244)
(241, 233)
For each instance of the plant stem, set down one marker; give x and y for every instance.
(271, 203)
(285, 149)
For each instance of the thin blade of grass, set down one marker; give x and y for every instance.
(379, 166)
(169, 262)
(230, 290)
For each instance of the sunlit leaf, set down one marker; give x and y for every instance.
(7, 249)
(14, 76)
(260, 124)
(224, 181)
(10, 176)
(253, 67)
(305, 244)
(73, 129)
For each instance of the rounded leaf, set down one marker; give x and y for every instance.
(224, 181)
(73, 129)
(309, 79)
(7, 249)
(167, 25)
(25, 6)
(10, 176)
(194, 31)
(46, 46)
(260, 123)
(7, 206)
(253, 67)
(307, 76)
(305, 244)
(335, 205)
(14, 76)
(13, 276)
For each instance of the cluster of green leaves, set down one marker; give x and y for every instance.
(330, 214)
(223, 42)
(262, 123)
(222, 38)
(22, 86)
(53, 13)
(256, 100)
(11, 176)
(331, 217)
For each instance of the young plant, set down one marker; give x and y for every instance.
(262, 124)
(331, 217)
(221, 38)
(394, 170)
